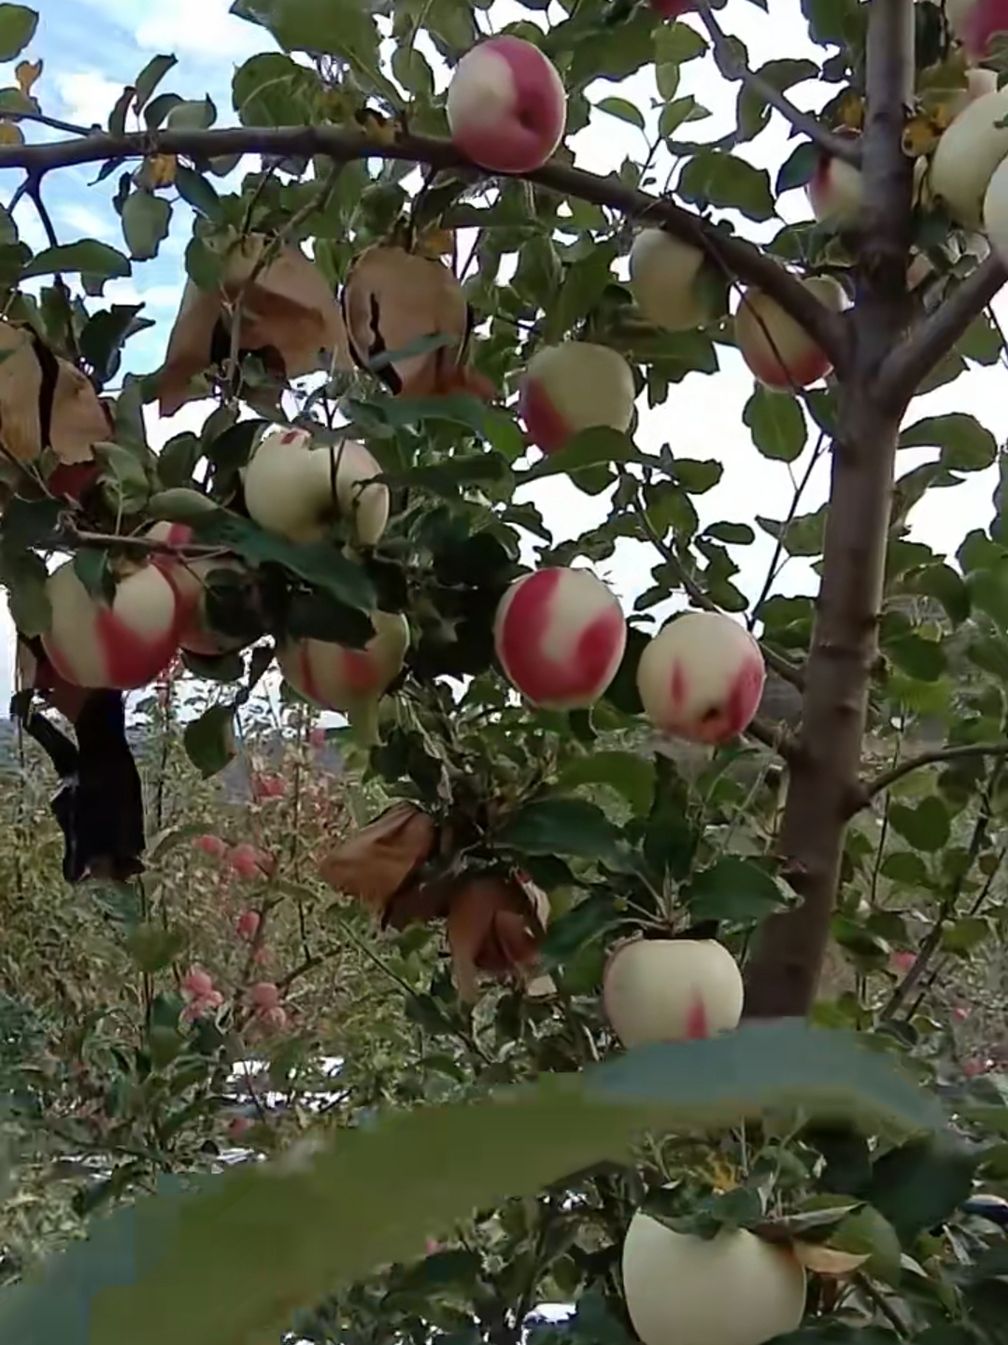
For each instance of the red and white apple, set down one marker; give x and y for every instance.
(336, 677)
(189, 578)
(575, 386)
(777, 349)
(732, 1289)
(978, 24)
(297, 488)
(967, 154)
(121, 644)
(835, 192)
(701, 678)
(560, 636)
(506, 105)
(671, 990)
(667, 279)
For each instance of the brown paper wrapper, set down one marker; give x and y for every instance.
(45, 402)
(374, 863)
(289, 315)
(393, 300)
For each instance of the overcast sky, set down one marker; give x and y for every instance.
(92, 48)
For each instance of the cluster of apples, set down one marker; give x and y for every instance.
(560, 635)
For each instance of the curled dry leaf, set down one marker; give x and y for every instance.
(288, 316)
(493, 927)
(378, 860)
(45, 402)
(27, 74)
(396, 301)
(827, 1260)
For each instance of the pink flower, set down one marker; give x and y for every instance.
(265, 996)
(211, 845)
(247, 925)
(902, 962)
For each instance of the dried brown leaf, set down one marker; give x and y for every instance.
(378, 860)
(492, 928)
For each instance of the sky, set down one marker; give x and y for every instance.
(91, 48)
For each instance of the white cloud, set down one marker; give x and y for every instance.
(87, 97)
(86, 221)
(201, 28)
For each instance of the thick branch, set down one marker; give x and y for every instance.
(737, 256)
(914, 358)
(840, 147)
(783, 972)
(938, 757)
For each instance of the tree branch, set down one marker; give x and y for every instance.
(911, 361)
(739, 257)
(888, 778)
(838, 146)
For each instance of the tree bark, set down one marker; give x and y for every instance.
(783, 973)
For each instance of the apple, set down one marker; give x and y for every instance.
(335, 677)
(189, 580)
(995, 211)
(671, 990)
(572, 387)
(732, 1289)
(701, 678)
(835, 192)
(979, 81)
(777, 349)
(978, 24)
(967, 154)
(667, 280)
(560, 636)
(506, 105)
(297, 488)
(120, 644)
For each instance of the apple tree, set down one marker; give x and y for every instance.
(682, 898)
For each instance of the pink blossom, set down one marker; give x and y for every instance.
(902, 962)
(247, 925)
(211, 845)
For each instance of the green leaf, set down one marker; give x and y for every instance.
(342, 1204)
(920, 658)
(88, 256)
(713, 177)
(319, 563)
(966, 445)
(697, 475)
(734, 889)
(192, 115)
(926, 827)
(905, 866)
(152, 947)
(623, 109)
(340, 28)
(776, 423)
(866, 1230)
(966, 934)
(798, 168)
(735, 534)
(919, 1184)
(209, 740)
(677, 43)
(149, 78)
(17, 28)
(588, 448)
(629, 773)
(145, 219)
(560, 827)
(945, 584)
(753, 109)
(200, 193)
(412, 69)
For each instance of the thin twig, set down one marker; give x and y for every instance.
(838, 146)
(937, 757)
(799, 491)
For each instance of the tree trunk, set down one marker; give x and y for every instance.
(783, 972)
